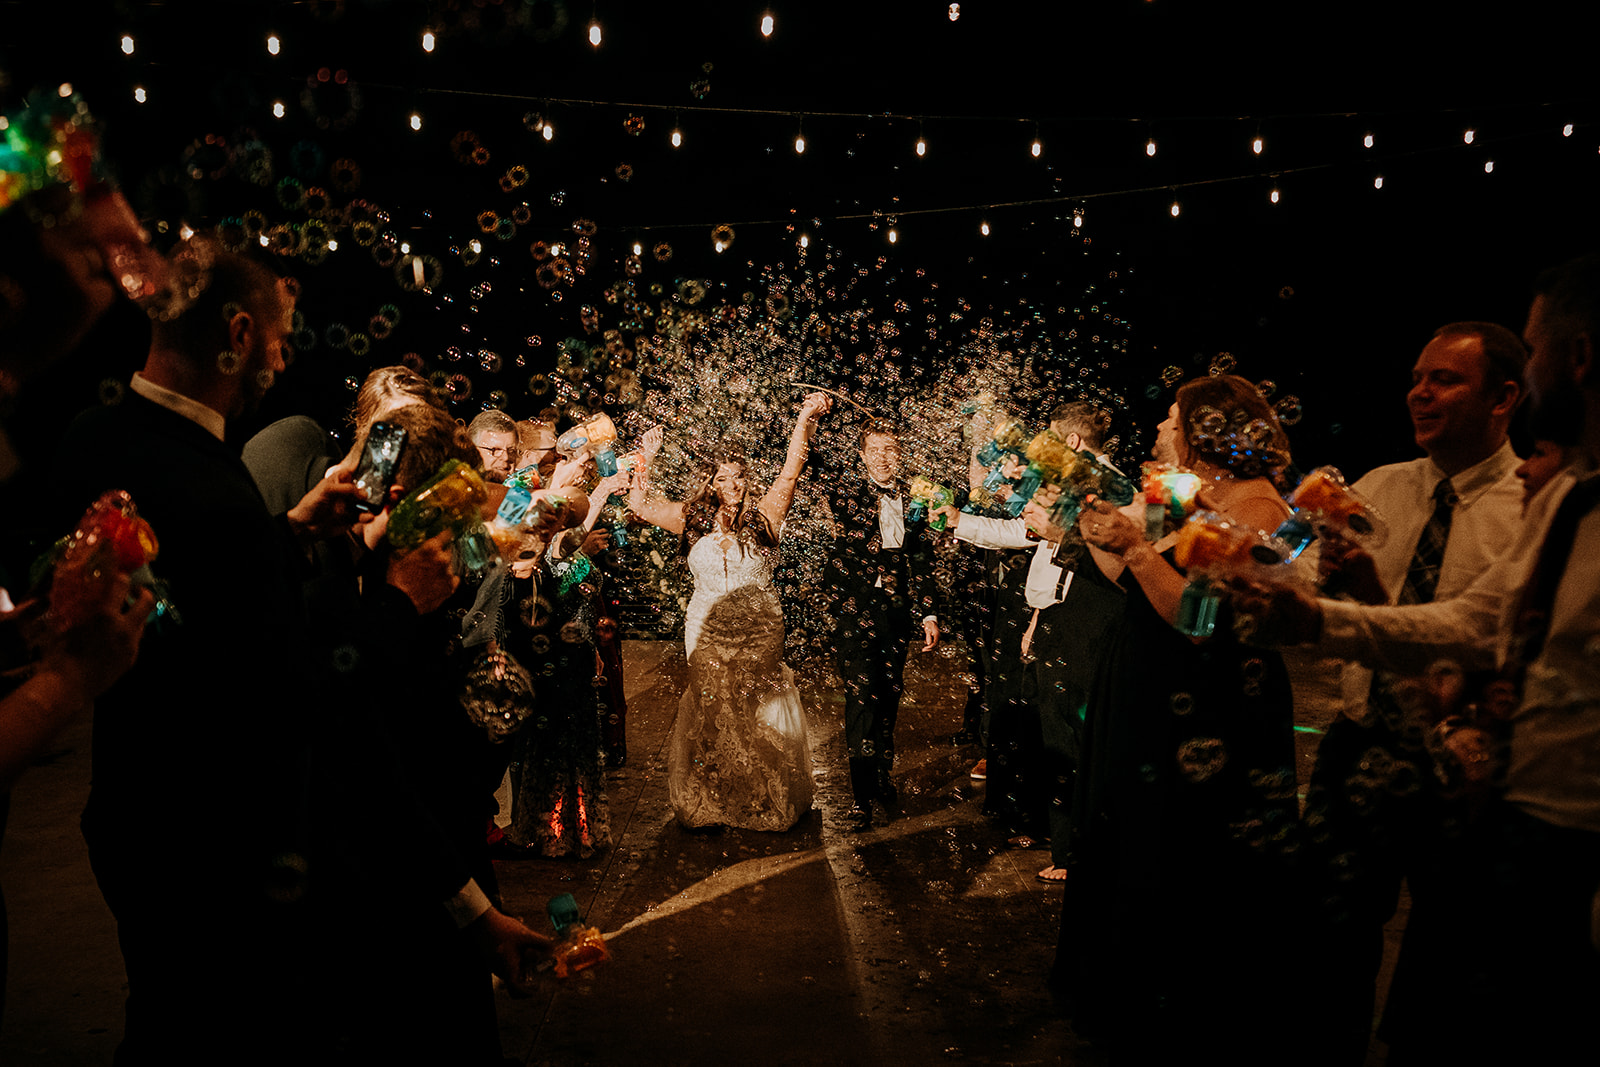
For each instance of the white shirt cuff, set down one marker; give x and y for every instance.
(468, 903)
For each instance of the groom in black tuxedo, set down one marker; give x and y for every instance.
(881, 571)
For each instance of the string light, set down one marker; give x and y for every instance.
(766, 24)
(416, 121)
(427, 40)
(922, 145)
(638, 249)
(1488, 166)
(1077, 217)
(893, 235)
(594, 32)
(983, 228)
(1038, 147)
(1175, 209)
(800, 137)
(333, 245)
(277, 109)
(547, 130)
(1377, 182)
(273, 44)
(805, 242)
(127, 44)
(677, 137)
(476, 245)
(1257, 145)
(1566, 131)
(139, 93)
(1468, 135)
(1274, 196)
(1150, 147)
(955, 12)
(1366, 142)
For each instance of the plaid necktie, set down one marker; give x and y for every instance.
(1422, 579)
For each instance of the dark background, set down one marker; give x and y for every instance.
(1329, 293)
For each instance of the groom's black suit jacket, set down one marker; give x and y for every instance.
(877, 592)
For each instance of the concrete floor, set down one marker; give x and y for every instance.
(926, 940)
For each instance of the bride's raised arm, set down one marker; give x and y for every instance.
(775, 504)
(667, 514)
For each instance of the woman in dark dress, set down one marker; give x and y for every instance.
(1175, 920)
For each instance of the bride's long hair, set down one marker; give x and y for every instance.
(700, 510)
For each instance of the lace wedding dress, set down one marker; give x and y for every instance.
(738, 754)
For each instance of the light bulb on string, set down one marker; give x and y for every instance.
(922, 145)
(1377, 182)
(64, 90)
(1150, 147)
(416, 121)
(273, 44)
(127, 44)
(594, 32)
(1274, 195)
(983, 227)
(1366, 142)
(1257, 145)
(893, 235)
(476, 245)
(1488, 166)
(805, 242)
(1467, 135)
(333, 245)
(547, 131)
(277, 109)
(638, 249)
(427, 40)
(799, 139)
(1037, 147)
(766, 24)
(1566, 131)
(1175, 209)
(955, 12)
(1077, 217)
(139, 93)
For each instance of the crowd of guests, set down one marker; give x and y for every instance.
(1462, 761)
(307, 678)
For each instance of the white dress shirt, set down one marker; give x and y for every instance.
(1554, 771)
(1486, 519)
(1047, 583)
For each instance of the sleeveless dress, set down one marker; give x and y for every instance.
(738, 754)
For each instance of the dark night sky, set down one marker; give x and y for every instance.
(1330, 292)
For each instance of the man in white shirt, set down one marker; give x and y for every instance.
(1066, 612)
(1373, 811)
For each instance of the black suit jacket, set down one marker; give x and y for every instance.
(877, 589)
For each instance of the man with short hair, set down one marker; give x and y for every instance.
(1055, 631)
(1373, 808)
(495, 435)
(882, 574)
(536, 440)
(193, 822)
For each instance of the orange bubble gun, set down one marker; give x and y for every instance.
(110, 539)
(580, 947)
(1210, 549)
(1324, 504)
(1168, 492)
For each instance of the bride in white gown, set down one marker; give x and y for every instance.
(738, 754)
